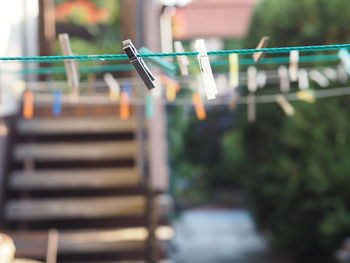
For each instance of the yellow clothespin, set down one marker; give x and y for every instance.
(206, 71)
(285, 105)
(262, 44)
(198, 106)
(303, 79)
(294, 65)
(113, 86)
(70, 65)
(284, 79)
(306, 95)
(234, 70)
(182, 60)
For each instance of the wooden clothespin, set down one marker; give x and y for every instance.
(113, 86)
(252, 82)
(206, 71)
(181, 60)
(284, 79)
(262, 44)
(294, 65)
(303, 79)
(124, 106)
(52, 246)
(319, 78)
(140, 66)
(28, 104)
(344, 56)
(234, 70)
(285, 105)
(56, 103)
(198, 106)
(70, 65)
(251, 107)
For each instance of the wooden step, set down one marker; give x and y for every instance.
(76, 151)
(78, 208)
(77, 125)
(74, 179)
(33, 243)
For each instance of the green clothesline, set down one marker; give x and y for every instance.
(215, 63)
(217, 53)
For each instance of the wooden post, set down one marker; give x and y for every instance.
(70, 65)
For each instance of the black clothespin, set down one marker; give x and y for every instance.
(140, 66)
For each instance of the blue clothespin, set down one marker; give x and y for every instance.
(140, 66)
(344, 56)
(56, 104)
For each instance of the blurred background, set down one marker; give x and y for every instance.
(95, 168)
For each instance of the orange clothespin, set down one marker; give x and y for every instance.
(198, 106)
(171, 86)
(124, 106)
(28, 104)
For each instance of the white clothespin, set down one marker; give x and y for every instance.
(221, 83)
(206, 71)
(303, 79)
(344, 56)
(232, 105)
(284, 79)
(251, 107)
(285, 105)
(70, 65)
(342, 74)
(261, 79)
(113, 86)
(262, 44)
(252, 82)
(293, 65)
(331, 74)
(234, 70)
(182, 60)
(319, 78)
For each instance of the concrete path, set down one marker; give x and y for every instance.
(212, 235)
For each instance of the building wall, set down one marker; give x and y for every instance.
(19, 37)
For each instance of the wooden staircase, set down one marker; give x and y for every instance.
(84, 174)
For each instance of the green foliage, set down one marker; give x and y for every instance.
(298, 168)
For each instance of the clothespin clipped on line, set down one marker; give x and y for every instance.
(198, 106)
(206, 71)
(262, 44)
(331, 74)
(344, 56)
(319, 78)
(171, 87)
(252, 81)
(70, 66)
(140, 66)
(285, 105)
(56, 103)
(232, 105)
(222, 84)
(261, 79)
(113, 86)
(342, 74)
(251, 108)
(28, 104)
(303, 79)
(181, 60)
(124, 103)
(164, 65)
(294, 65)
(149, 106)
(284, 79)
(306, 95)
(234, 70)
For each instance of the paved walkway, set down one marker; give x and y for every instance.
(212, 235)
